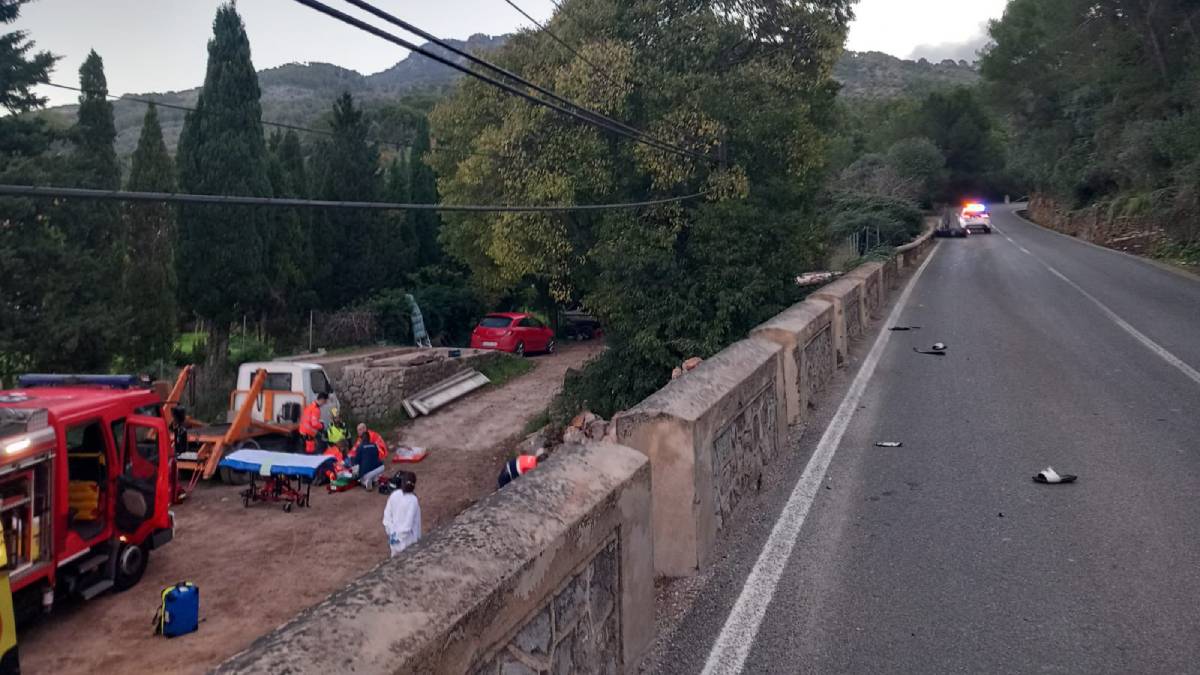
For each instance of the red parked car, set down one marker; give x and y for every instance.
(513, 332)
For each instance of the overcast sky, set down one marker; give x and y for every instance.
(159, 45)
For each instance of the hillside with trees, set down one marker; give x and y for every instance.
(1105, 116)
(299, 93)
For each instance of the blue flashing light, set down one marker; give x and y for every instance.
(48, 380)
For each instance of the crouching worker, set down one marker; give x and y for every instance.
(402, 515)
(367, 456)
(519, 466)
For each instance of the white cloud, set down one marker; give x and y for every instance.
(960, 50)
(922, 27)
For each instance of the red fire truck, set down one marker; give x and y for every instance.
(86, 472)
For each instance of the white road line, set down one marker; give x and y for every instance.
(1125, 325)
(729, 652)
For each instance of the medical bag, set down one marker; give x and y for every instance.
(179, 613)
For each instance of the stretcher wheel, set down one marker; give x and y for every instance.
(287, 507)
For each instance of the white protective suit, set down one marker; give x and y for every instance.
(402, 521)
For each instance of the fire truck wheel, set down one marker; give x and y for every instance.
(131, 565)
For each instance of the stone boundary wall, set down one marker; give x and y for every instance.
(554, 573)
(375, 388)
(873, 292)
(1100, 224)
(805, 332)
(849, 316)
(708, 435)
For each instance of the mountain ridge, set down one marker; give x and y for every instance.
(300, 93)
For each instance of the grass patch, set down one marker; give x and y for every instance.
(537, 422)
(186, 342)
(505, 369)
(389, 422)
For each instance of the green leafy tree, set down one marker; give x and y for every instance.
(1102, 97)
(150, 282)
(920, 160)
(223, 271)
(354, 246)
(672, 281)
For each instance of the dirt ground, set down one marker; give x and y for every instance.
(258, 567)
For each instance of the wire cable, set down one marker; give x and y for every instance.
(53, 192)
(575, 52)
(586, 116)
(396, 21)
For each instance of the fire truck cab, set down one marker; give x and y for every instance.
(86, 471)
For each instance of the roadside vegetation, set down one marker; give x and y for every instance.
(1103, 108)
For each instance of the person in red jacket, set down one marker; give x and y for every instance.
(374, 453)
(311, 426)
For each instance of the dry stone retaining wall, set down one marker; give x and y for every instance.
(376, 388)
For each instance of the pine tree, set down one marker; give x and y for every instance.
(353, 245)
(19, 71)
(28, 241)
(422, 185)
(221, 261)
(150, 276)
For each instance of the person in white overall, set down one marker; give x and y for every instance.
(402, 515)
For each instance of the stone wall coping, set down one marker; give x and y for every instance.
(695, 393)
(796, 318)
(838, 289)
(930, 224)
(399, 615)
(864, 270)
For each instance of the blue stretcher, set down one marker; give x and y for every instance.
(286, 477)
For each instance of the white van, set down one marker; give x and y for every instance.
(290, 386)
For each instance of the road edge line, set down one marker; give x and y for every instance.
(1157, 264)
(1160, 351)
(732, 646)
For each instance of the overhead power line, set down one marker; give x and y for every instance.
(606, 120)
(269, 123)
(568, 108)
(52, 192)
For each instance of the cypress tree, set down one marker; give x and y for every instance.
(400, 224)
(95, 231)
(221, 261)
(150, 276)
(352, 244)
(290, 255)
(95, 132)
(422, 185)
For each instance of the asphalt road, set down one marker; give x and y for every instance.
(943, 555)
